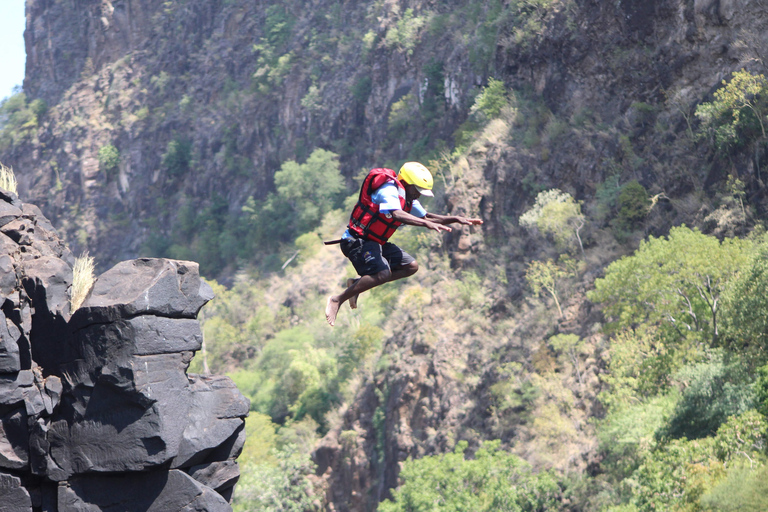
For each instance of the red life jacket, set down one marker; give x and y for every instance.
(366, 221)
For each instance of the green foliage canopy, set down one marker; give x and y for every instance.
(310, 189)
(19, 119)
(556, 213)
(494, 480)
(745, 319)
(178, 156)
(492, 99)
(685, 474)
(737, 113)
(109, 159)
(545, 275)
(675, 282)
(714, 392)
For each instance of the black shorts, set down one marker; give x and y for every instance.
(370, 257)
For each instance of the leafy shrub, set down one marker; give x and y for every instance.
(296, 377)
(177, 156)
(19, 119)
(663, 481)
(761, 391)
(627, 434)
(735, 117)
(493, 481)
(743, 489)
(515, 391)
(556, 213)
(688, 475)
(492, 99)
(310, 189)
(714, 391)
(433, 97)
(545, 276)
(272, 64)
(109, 159)
(745, 310)
(361, 89)
(529, 16)
(633, 204)
(742, 437)
(403, 36)
(287, 486)
(640, 364)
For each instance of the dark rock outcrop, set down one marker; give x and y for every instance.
(97, 411)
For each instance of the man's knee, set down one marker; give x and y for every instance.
(383, 276)
(412, 267)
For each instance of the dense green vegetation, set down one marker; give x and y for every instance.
(619, 352)
(493, 481)
(683, 388)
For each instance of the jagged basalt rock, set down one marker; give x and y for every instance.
(97, 411)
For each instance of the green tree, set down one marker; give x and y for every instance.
(178, 156)
(494, 481)
(19, 119)
(743, 490)
(745, 317)
(403, 36)
(556, 213)
(738, 109)
(283, 487)
(633, 206)
(545, 275)
(310, 189)
(640, 364)
(713, 392)
(712, 473)
(109, 159)
(736, 117)
(492, 99)
(675, 282)
(569, 346)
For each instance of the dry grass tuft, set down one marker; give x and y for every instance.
(7, 179)
(82, 280)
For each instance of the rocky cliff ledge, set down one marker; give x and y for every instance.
(96, 409)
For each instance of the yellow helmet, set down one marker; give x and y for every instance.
(417, 175)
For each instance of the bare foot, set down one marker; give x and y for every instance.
(353, 299)
(331, 310)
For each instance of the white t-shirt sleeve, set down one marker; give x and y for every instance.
(417, 210)
(387, 197)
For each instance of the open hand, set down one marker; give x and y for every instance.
(437, 227)
(469, 222)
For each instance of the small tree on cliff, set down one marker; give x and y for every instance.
(545, 275)
(556, 213)
(737, 116)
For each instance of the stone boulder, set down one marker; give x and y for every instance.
(97, 411)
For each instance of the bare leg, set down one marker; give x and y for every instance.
(363, 284)
(353, 299)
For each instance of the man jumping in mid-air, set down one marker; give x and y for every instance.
(387, 200)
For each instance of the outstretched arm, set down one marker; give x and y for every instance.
(412, 220)
(452, 219)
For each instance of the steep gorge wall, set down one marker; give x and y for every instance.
(248, 87)
(663, 56)
(139, 74)
(612, 85)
